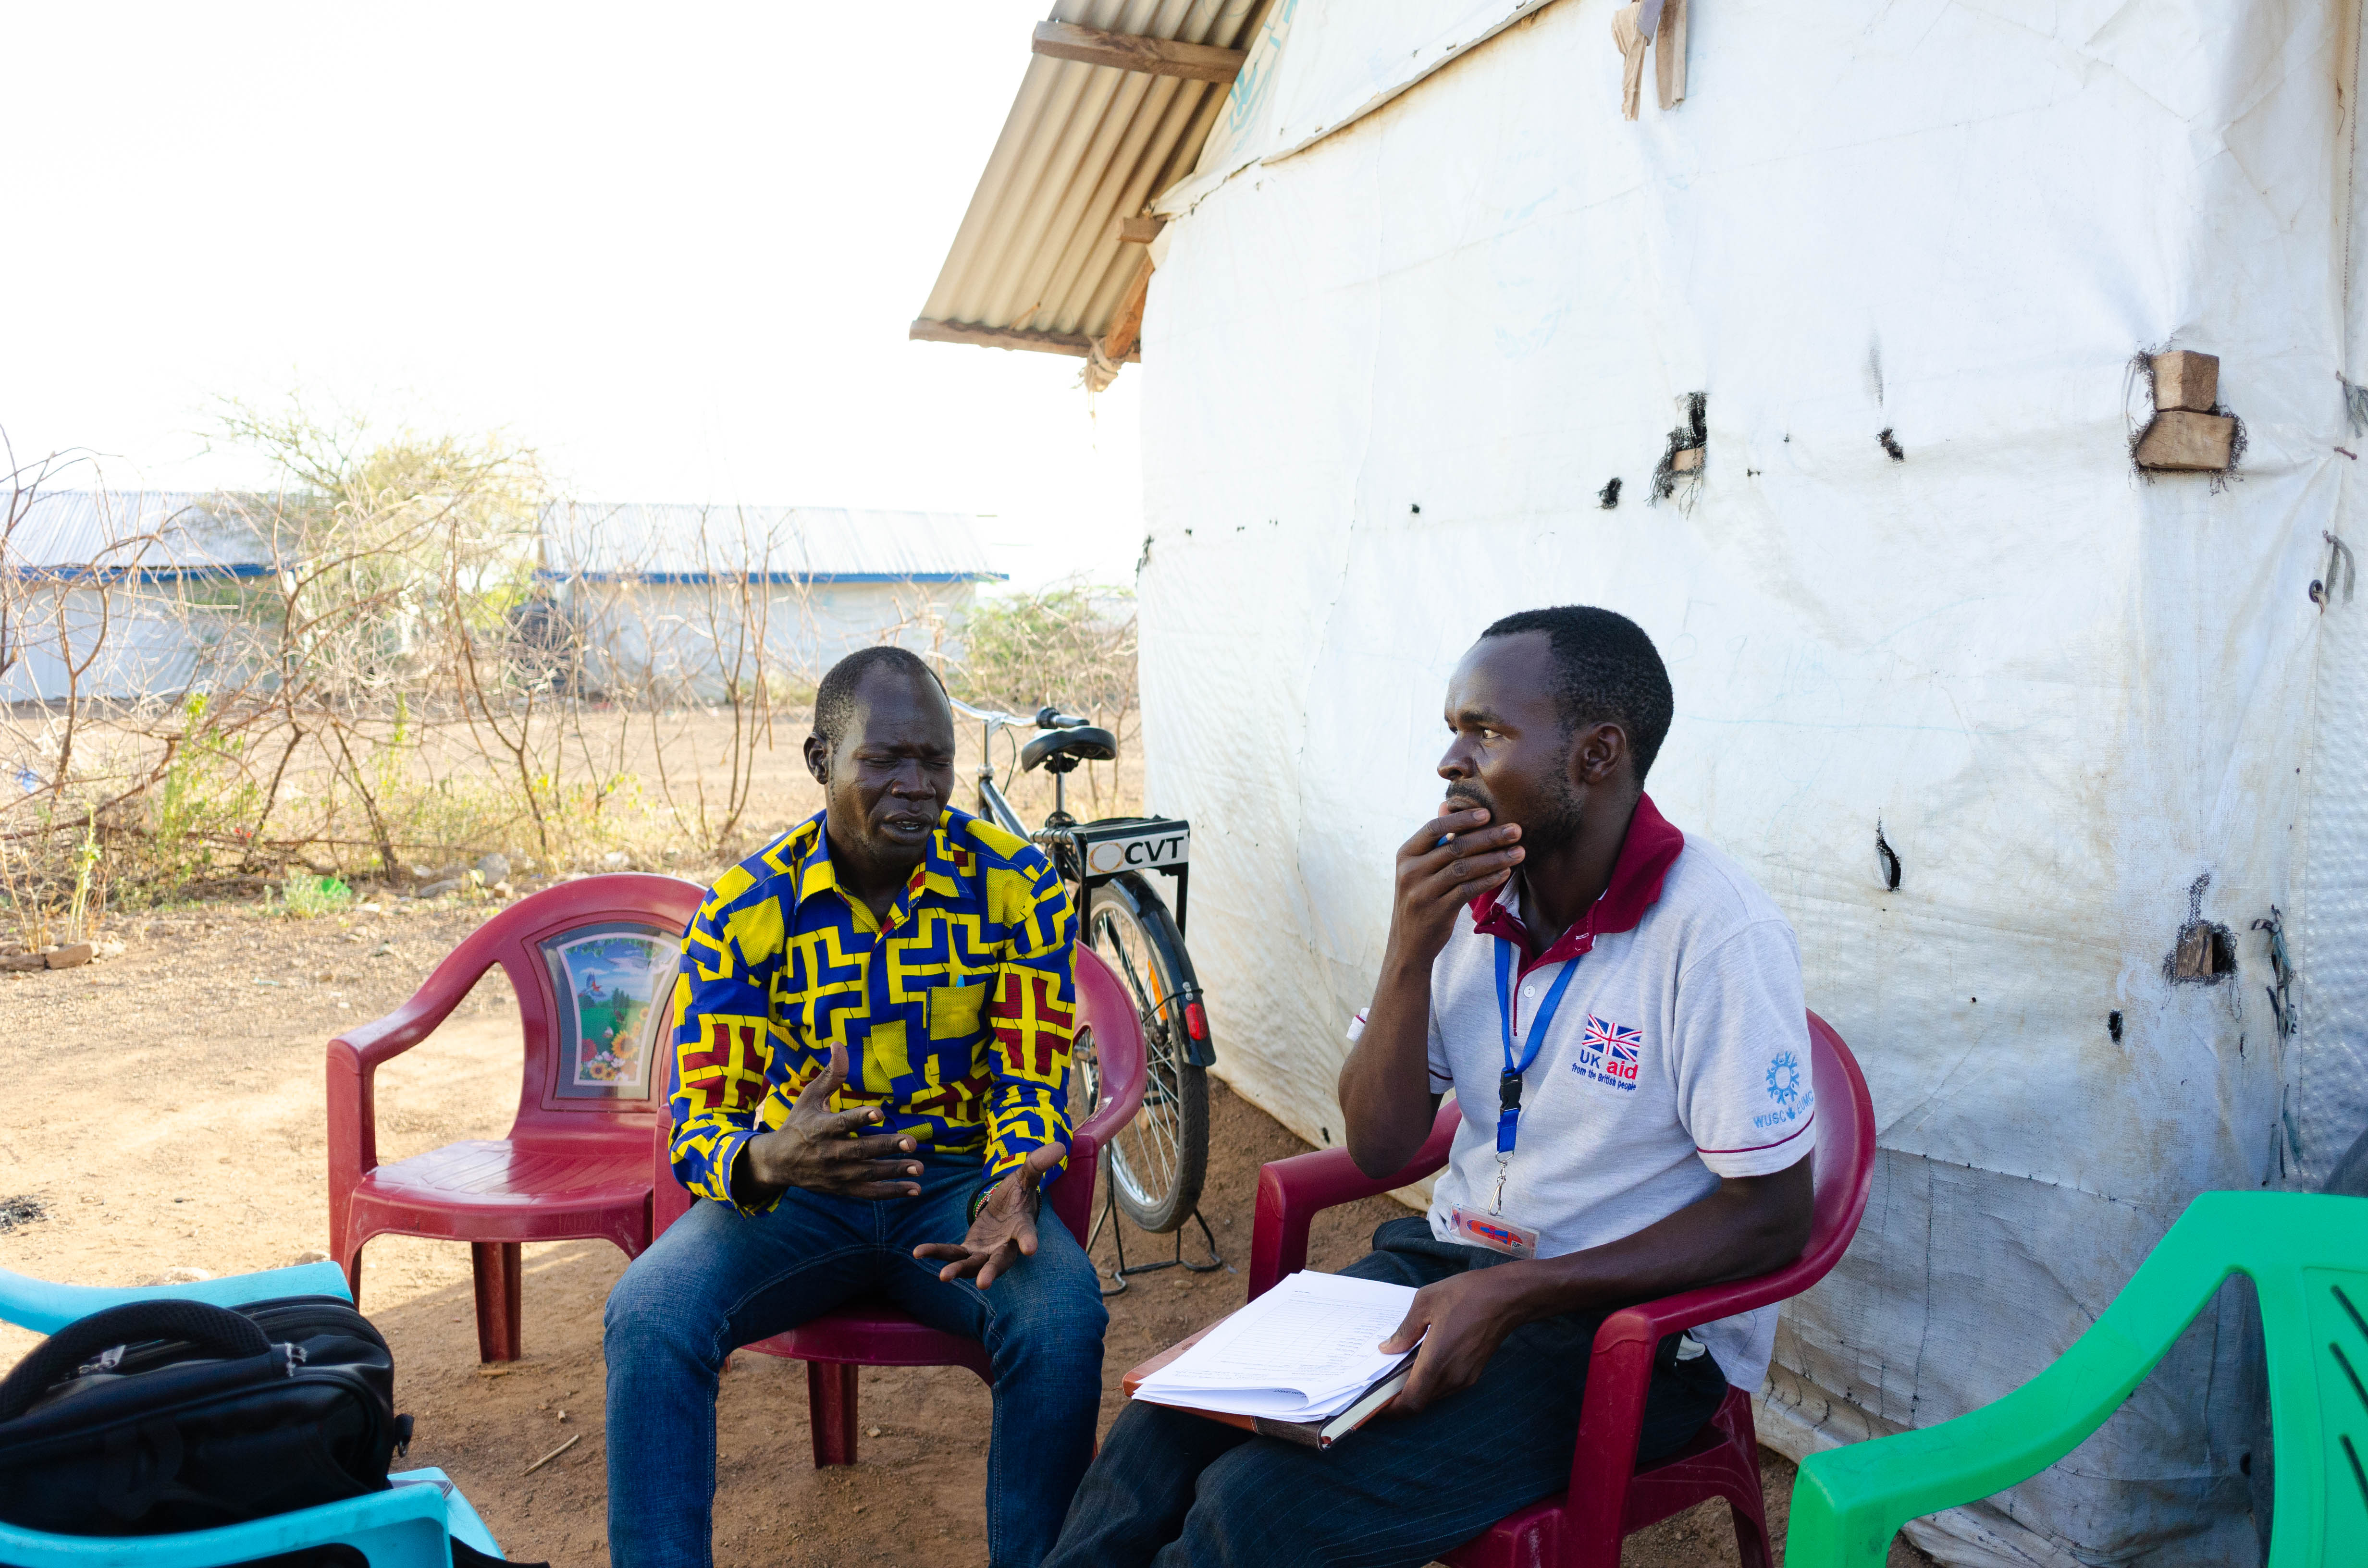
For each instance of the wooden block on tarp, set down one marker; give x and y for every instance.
(2182, 441)
(2184, 379)
(1686, 459)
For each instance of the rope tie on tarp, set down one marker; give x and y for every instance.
(1628, 33)
(1660, 25)
(1100, 369)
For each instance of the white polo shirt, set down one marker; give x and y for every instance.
(1678, 1054)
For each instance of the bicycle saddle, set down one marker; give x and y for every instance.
(1066, 748)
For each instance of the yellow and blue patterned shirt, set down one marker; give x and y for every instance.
(956, 1012)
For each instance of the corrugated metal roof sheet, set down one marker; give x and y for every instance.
(1038, 262)
(819, 544)
(155, 533)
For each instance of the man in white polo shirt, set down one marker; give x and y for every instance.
(1619, 1011)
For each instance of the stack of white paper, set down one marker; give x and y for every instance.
(1302, 1352)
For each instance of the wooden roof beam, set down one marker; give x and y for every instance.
(1123, 344)
(1130, 51)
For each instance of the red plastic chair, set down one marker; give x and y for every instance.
(873, 1332)
(576, 1163)
(1609, 1499)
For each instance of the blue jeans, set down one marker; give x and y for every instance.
(718, 1280)
(1172, 1488)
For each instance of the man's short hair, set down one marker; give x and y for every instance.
(834, 698)
(1608, 671)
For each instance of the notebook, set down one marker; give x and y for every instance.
(1299, 1363)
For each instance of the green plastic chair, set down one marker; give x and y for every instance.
(2307, 1257)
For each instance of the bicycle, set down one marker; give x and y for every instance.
(1160, 1159)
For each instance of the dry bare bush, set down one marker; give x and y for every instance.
(55, 626)
(402, 652)
(344, 671)
(1070, 646)
(707, 624)
(399, 570)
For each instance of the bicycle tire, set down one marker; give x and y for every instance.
(1158, 1162)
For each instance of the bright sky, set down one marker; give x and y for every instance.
(675, 248)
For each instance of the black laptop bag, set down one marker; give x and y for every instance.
(168, 1415)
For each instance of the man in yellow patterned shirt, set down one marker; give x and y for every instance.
(872, 1022)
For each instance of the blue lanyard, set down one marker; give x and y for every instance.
(1509, 1087)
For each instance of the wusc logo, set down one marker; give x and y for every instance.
(1786, 1087)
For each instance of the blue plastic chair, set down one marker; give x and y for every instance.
(408, 1526)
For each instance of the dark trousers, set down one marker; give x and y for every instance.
(720, 1279)
(1173, 1488)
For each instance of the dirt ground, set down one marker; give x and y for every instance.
(168, 1112)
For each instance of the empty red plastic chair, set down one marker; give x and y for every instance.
(1608, 1498)
(873, 1333)
(592, 963)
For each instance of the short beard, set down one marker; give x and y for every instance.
(1559, 830)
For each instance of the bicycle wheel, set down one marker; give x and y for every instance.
(1158, 1161)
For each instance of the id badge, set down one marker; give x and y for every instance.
(1475, 1228)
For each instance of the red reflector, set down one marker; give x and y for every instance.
(1196, 1022)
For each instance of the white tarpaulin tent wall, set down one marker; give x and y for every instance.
(1395, 354)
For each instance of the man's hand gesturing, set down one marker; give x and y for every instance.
(1005, 1231)
(814, 1148)
(1451, 861)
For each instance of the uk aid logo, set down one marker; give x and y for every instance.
(1788, 1091)
(1607, 1053)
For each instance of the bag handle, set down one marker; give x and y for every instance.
(55, 1358)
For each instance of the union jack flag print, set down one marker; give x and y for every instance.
(1618, 1044)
